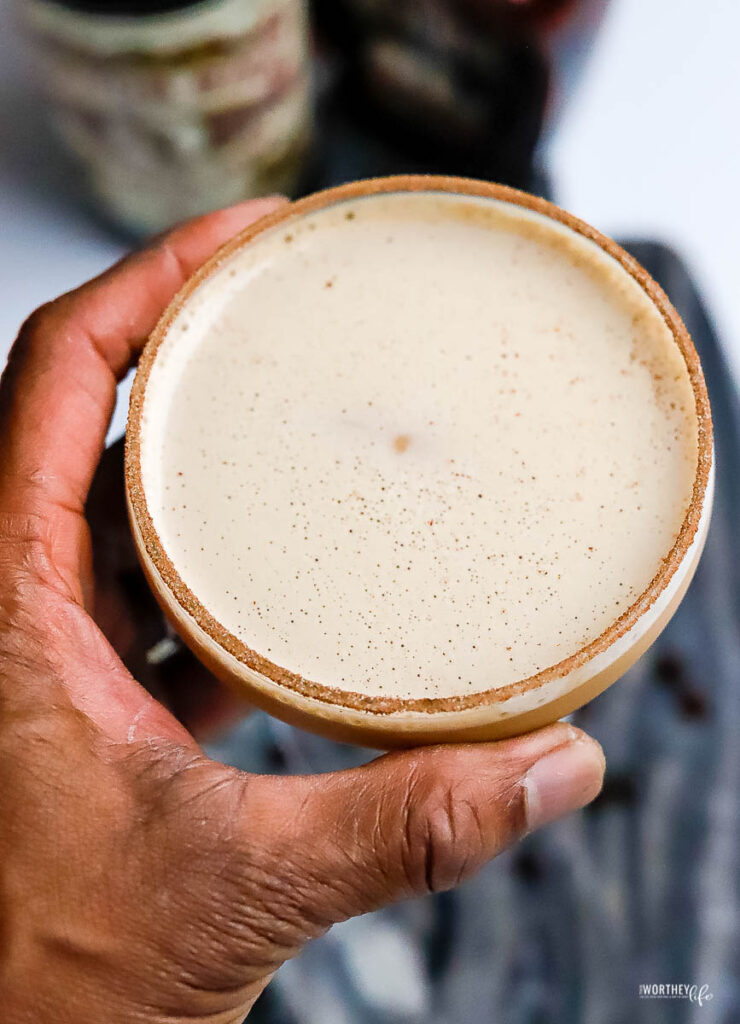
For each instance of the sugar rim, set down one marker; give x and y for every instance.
(385, 705)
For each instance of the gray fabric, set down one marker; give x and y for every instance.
(640, 888)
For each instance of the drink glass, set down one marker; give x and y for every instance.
(385, 721)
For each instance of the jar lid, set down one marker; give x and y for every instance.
(124, 8)
(109, 28)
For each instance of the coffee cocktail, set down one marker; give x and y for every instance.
(420, 459)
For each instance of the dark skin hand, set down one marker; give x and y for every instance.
(141, 881)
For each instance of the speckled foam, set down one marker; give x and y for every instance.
(418, 445)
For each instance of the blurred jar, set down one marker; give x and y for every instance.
(176, 108)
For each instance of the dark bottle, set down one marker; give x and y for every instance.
(454, 86)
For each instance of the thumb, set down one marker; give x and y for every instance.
(421, 821)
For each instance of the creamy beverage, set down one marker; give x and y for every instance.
(415, 446)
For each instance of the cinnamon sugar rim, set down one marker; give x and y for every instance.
(187, 600)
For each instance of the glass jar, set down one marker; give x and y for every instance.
(181, 109)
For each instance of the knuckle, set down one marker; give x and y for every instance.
(442, 837)
(26, 567)
(42, 320)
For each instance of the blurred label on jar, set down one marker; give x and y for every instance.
(177, 113)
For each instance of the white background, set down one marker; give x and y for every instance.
(649, 147)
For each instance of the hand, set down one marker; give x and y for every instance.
(140, 881)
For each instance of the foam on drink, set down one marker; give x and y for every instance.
(418, 445)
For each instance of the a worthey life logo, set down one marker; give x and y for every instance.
(698, 994)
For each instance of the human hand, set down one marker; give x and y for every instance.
(139, 880)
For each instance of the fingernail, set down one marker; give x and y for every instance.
(563, 781)
(266, 202)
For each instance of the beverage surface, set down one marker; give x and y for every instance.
(418, 445)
